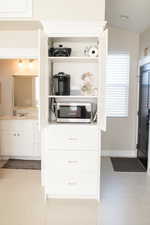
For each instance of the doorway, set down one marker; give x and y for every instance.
(144, 115)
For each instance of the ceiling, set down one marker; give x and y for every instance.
(137, 11)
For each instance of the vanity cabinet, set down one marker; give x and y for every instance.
(16, 143)
(19, 138)
(16, 8)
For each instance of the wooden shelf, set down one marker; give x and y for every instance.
(74, 59)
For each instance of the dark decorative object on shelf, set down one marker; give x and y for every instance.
(61, 84)
(59, 52)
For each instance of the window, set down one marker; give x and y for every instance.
(117, 85)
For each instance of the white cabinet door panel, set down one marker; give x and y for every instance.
(6, 141)
(16, 143)
(22, 144)
(103, 52)
(17, 138)
(16, 8)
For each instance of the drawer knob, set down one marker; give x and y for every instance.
(72, 183)
(72, 139)
(72, 161)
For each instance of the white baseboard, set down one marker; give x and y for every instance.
(4, 157)
(123, 153)
(20, 157)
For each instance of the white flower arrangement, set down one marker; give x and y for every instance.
(87, 87)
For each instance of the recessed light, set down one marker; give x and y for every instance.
(124, 17)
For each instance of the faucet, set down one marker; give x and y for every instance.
(14, 112)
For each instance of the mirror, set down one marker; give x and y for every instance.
(25, 91)
(0, 92)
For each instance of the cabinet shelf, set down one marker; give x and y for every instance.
(74, 59)
(72, 96)
(72, 124)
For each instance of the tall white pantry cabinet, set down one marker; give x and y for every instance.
(71, 152)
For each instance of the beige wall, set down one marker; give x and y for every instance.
(144, 42)
(121, 132)
(75, 10)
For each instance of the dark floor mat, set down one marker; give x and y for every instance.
(127, 165)
(23, 164)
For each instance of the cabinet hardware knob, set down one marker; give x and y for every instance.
(72, 161)
(72, 139)
(72, 183)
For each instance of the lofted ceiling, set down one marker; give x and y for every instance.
(133, 15)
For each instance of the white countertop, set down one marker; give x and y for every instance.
(9, 117)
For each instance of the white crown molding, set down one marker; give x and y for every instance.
(119, 153)
(73, 29)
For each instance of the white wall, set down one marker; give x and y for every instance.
(18, 39)
(121, 132)
(69, 9)
(15, 44)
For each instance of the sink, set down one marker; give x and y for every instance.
(20, 115)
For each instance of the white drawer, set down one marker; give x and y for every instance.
(72, 161)
(73, 138)
(83, 184)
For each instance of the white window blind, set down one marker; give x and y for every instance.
(117, 85)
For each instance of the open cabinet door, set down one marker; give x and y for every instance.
(103, 52)
(43, 79)
(43, 112)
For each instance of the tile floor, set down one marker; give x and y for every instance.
(22, 203)
(125, 197)
(125, 200)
